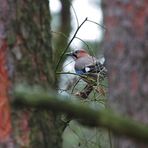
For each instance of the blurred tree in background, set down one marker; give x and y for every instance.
(61, 36)
(25, 49)
(127, 59)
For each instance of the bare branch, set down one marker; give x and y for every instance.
(65, 50)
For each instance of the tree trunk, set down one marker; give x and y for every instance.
(26, 52)
(126, 51)
(62, 35)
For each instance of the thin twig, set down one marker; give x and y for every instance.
(75, 14)
(83, 42)
(67, 64)
(82, 76)
(63, 53)
(97, 24)
(67, 73)
(75, 85)
(60, 33)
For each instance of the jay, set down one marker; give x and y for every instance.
(88, 67)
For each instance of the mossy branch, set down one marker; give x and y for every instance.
(41, 99)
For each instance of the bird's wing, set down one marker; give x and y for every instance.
(84, 64)
(95, 68)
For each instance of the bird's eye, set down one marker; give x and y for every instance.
(77, 51)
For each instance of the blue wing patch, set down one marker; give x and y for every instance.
(80, 72)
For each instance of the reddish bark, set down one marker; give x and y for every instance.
(5, 121)
(25, 28)
(126, 51)
(6, 71)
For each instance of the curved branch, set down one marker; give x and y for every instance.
(63, 53)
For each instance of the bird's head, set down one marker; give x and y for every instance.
(78, 54)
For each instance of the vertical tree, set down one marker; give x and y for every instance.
(64, 30)
(26, 56)
(127, 59)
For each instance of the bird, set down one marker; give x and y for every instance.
(88, 67)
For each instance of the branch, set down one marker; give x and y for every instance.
(65, 50)
(41, 99)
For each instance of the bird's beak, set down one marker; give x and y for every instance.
(69, 53)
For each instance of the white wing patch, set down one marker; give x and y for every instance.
(87, 69)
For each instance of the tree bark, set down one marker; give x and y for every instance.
(126, 52)
(25, 41)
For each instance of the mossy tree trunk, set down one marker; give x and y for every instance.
(25, 41)
(127, 59)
